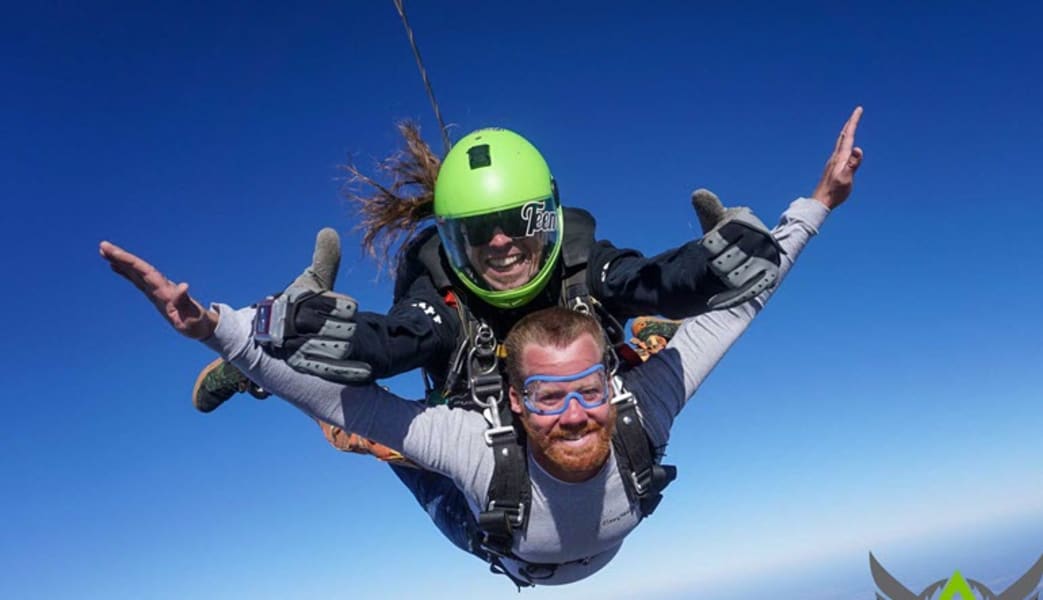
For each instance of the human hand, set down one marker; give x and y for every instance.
(744, 255)
(839, 176)
(309, 325)
(184, 314)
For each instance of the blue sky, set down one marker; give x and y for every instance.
(888, 396)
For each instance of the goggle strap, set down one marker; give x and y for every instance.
(560, 378)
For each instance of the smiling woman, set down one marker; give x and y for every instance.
(505, 262)
(540, 525)
(498, 215)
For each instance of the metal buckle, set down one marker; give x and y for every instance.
(486, 388)
(515, 512)
(483, 376)
(579, 305)
(620, 396)
(641, 488)
(495, 540)
(499, 431)
(485, 381)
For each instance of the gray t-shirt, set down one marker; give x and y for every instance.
(577, 527)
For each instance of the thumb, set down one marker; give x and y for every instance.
(708, 208)
(325, 261)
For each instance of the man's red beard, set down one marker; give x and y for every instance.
(570, 458)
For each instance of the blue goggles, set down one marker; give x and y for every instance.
(546, 394)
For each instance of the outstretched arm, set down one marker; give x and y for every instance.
(702, 341)
(430, 437)
(323, 335)
(184, 314)
(839, 176)
(686, 280)
(228, 331)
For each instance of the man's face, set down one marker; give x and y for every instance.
(574, 445)
(506, 263)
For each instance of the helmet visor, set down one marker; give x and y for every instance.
(502, 250)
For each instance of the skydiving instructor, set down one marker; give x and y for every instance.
(553, 389)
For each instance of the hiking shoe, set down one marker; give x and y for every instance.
(218, 382)
(651, 334)
(643, 328)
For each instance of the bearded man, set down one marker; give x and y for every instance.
(561, 391)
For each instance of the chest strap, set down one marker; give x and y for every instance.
(643, 477)
(510, 491)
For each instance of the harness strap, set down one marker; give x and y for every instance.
(457, 366)
(575, 295)
(509, 497)
(579, 237)
(575, 251)
(432, 261)
(510, 493)
(643, 477)
(496, 567)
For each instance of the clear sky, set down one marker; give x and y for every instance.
(889, 394)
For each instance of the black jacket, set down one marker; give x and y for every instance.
(422, 330)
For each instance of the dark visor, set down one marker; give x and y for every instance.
(481, 229)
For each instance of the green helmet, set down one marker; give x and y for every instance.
(499, 217)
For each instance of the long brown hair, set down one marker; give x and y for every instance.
(390, 214)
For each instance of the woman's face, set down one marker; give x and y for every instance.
(506, 263)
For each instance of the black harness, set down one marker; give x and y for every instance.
(510, 492)
(509, 498)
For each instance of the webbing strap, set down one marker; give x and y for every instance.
(431, 258)
(457, 363)
(575, 251)
(510, 493)
(643, 477)
(579, 228)
(575, 293)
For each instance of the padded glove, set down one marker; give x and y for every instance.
(743, 254)
(310, 326)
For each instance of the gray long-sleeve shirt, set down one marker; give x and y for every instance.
(577, 527)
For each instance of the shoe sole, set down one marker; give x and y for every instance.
(648, 326)
(199, 383)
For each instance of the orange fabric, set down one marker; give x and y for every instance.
(350, 442)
